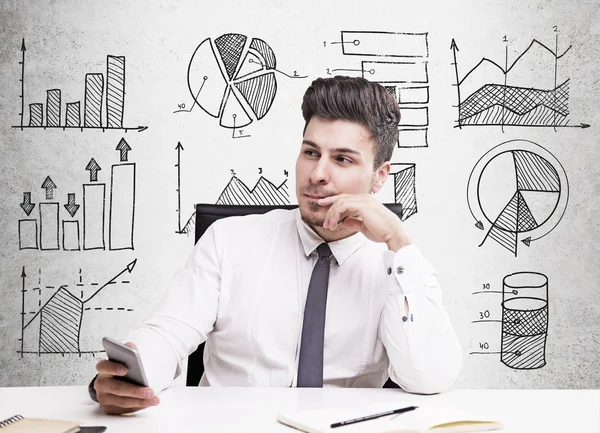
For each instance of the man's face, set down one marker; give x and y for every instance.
(336, 157)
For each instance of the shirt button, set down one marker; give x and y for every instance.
(399, 270)
(389, 271)
(404, 318)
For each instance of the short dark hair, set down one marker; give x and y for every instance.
(358, 100)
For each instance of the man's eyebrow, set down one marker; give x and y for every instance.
(336, 150)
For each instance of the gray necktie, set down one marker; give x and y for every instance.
(310, 362)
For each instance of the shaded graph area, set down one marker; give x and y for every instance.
(519, 192)
(57, 323)
(524, 92)
(264, 192)
(508, 105)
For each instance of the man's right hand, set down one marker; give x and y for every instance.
(116, 396)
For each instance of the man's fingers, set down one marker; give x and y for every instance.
(117, 401)
(108, 385)
(110, 368)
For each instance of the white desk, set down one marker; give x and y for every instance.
(254, 409)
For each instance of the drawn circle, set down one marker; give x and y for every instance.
(518, 187)
(232, 78)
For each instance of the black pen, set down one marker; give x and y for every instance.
(377, 415)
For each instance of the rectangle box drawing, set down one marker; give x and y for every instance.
(73, 115)
(387, 44)
(122, 206)
(414, 116)
(28, 234)
(94, 90)
(115, 90)
(412, 138)
(395, 72)
(35, 114)
(71, 237)
(49, 226)
(53, 107)
(93, 216)
(413, 95)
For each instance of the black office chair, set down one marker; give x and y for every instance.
(206, 214)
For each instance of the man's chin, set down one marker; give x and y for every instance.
(311, 215)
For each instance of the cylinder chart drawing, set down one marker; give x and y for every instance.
(524, 320)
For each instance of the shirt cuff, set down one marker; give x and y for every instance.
(405, 268)
(159, 361)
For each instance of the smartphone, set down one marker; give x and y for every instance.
(130, 358)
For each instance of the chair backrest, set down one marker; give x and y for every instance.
(206, 214)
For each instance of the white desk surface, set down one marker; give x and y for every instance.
(229, 410)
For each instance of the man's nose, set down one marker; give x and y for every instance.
(320, 172)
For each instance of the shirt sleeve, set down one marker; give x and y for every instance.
(424, 352)
(184, 316)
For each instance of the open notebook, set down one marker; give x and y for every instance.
(427, 417)
(18, 423)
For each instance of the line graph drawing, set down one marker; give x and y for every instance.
(94, 104)
(264, 192)
(402, 68)
(236, 192)
(121, 212)
(521, 190)
(55, 328)
(527, 93)
(524, 320)
(232, 78)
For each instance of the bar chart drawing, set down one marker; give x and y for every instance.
(399, 62)
(520, 190)
(99, 112)
(85, 230)
(55, 326)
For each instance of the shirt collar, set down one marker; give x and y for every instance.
(341, 249)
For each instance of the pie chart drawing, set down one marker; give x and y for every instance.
(521, 190)
(232, 78)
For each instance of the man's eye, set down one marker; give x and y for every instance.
(310, 152)
(344, 160)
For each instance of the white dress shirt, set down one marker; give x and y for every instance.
(243, 291)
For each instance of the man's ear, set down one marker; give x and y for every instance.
(380, 176)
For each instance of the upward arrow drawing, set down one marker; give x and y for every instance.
(27, 205)
(71, 207)
(124, 147)
(179, 149)
(128, 268)
(49, 186)
(93, 167)
(22, 82)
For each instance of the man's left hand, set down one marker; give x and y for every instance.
(361, 212)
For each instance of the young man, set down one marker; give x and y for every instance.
(333, 293)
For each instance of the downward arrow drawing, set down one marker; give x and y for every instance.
(27, 205)
(49, 186)
(93, 167)
(124, 148)
(71, 207)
